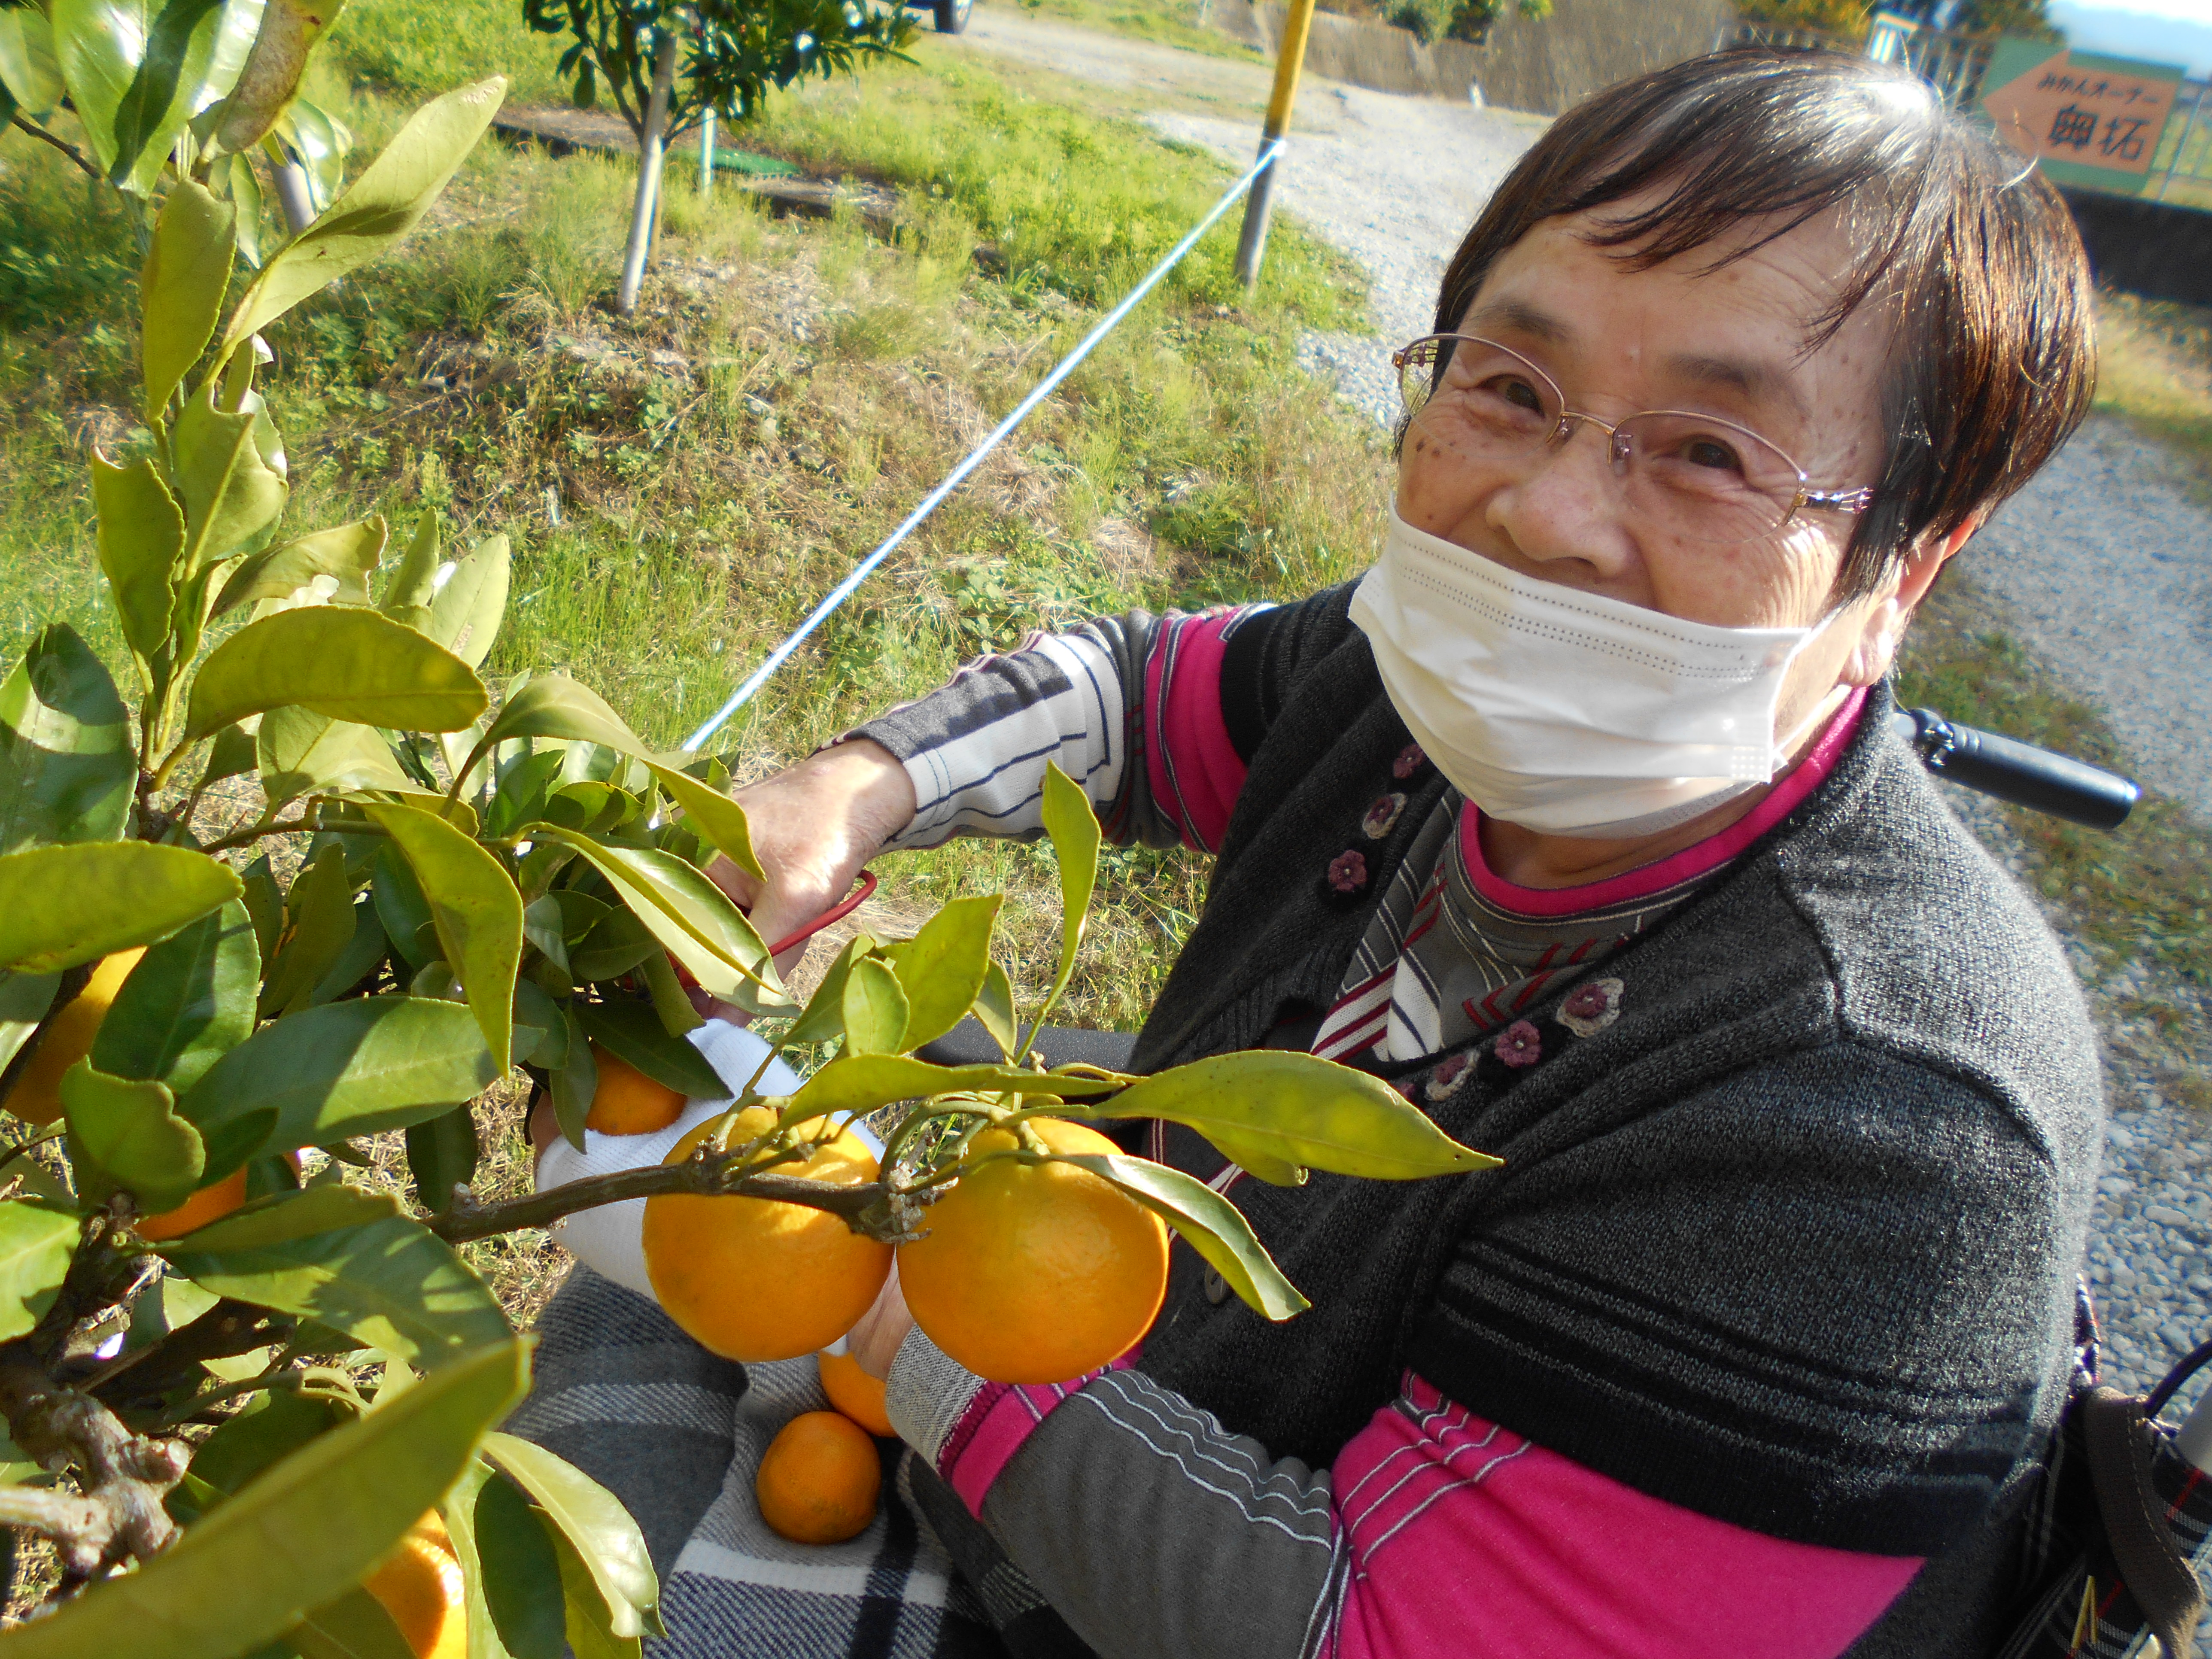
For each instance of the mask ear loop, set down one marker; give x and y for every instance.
(1824, 710)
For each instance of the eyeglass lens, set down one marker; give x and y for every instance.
(1693, 475)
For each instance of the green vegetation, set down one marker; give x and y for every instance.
(1170, 23)
(1849, 17)
(2155, 370)
(2136, 893)
(679, 491)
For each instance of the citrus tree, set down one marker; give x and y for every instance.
(182, 89)
(303, 877)
(731, 52)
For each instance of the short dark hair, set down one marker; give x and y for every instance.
(1994, 362)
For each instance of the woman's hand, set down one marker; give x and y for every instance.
(874, 1342)
(813, 826)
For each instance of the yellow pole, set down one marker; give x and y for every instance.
(1259, 206)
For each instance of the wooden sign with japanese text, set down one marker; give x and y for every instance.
(2088, 119)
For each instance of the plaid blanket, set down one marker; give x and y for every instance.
(676, 1434)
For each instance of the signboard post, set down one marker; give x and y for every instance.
(2086, 118)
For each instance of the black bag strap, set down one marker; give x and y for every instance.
(2116, 1437)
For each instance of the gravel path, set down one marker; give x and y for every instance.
(2105, 561)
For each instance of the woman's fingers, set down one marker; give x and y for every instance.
(874, 1342)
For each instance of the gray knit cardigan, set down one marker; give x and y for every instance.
(1793, 1243)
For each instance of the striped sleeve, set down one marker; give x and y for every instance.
(1156, 1533)
(1128, 706)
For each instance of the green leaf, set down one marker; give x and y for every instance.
(466, 612)
(133, 69)
(595, 1523)
(346, 1068)
(690, 917)
(264, 903)
(318, 926)
(862, 1083)
(632, 1032)
(300, 1535)
(555, 706)
(520, 1572)
(377, 209)
(1073, 828)
(617, 943)
(271, 1428)
(67, 767)
(442, 1155)
(590, 1620)
(232, 753)
(37, 1242)
(823, 1018)
(478, 912)
(995, 1009)
(407, 596)
(181, 288)
(875, 1010)
(1299, 1109)
(127, 1135)
(142, 536)
(231, 494)
(524, 785)
(713, 815)
(24, 999)
(342, 558)
(349, 1260)
(61, 906)
(460, 1517)
(944, 968)
(188, 1002)
(347, 664)
(400, 905)
(28, 69)
(670, 1001)
(1215, 1227)
(576, 1084)
(354, 1626)
(541, 1029)
(362, 952)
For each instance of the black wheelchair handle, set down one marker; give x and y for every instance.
(2018, 772)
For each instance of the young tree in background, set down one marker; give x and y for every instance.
(2021, 17)
(733, 50)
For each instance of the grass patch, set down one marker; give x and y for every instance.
(1170, 23)
(2137, 892)
(2155, 368)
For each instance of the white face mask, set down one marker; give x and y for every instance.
(1569, 713)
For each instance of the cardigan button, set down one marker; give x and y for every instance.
(1347, 871)
(1382, 817)
(1217, 1287)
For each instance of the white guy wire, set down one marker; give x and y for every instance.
(843, 591)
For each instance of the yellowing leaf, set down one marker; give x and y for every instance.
(61, 906)
(349, 663)
(377, 210)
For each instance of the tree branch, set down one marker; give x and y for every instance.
(124, 1475)
(705, 1173)
(61, 144)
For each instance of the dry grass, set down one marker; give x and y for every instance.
(2155, 368)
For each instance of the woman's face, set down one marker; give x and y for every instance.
(1728, 343)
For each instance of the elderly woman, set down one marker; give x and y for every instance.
(1580, 819)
